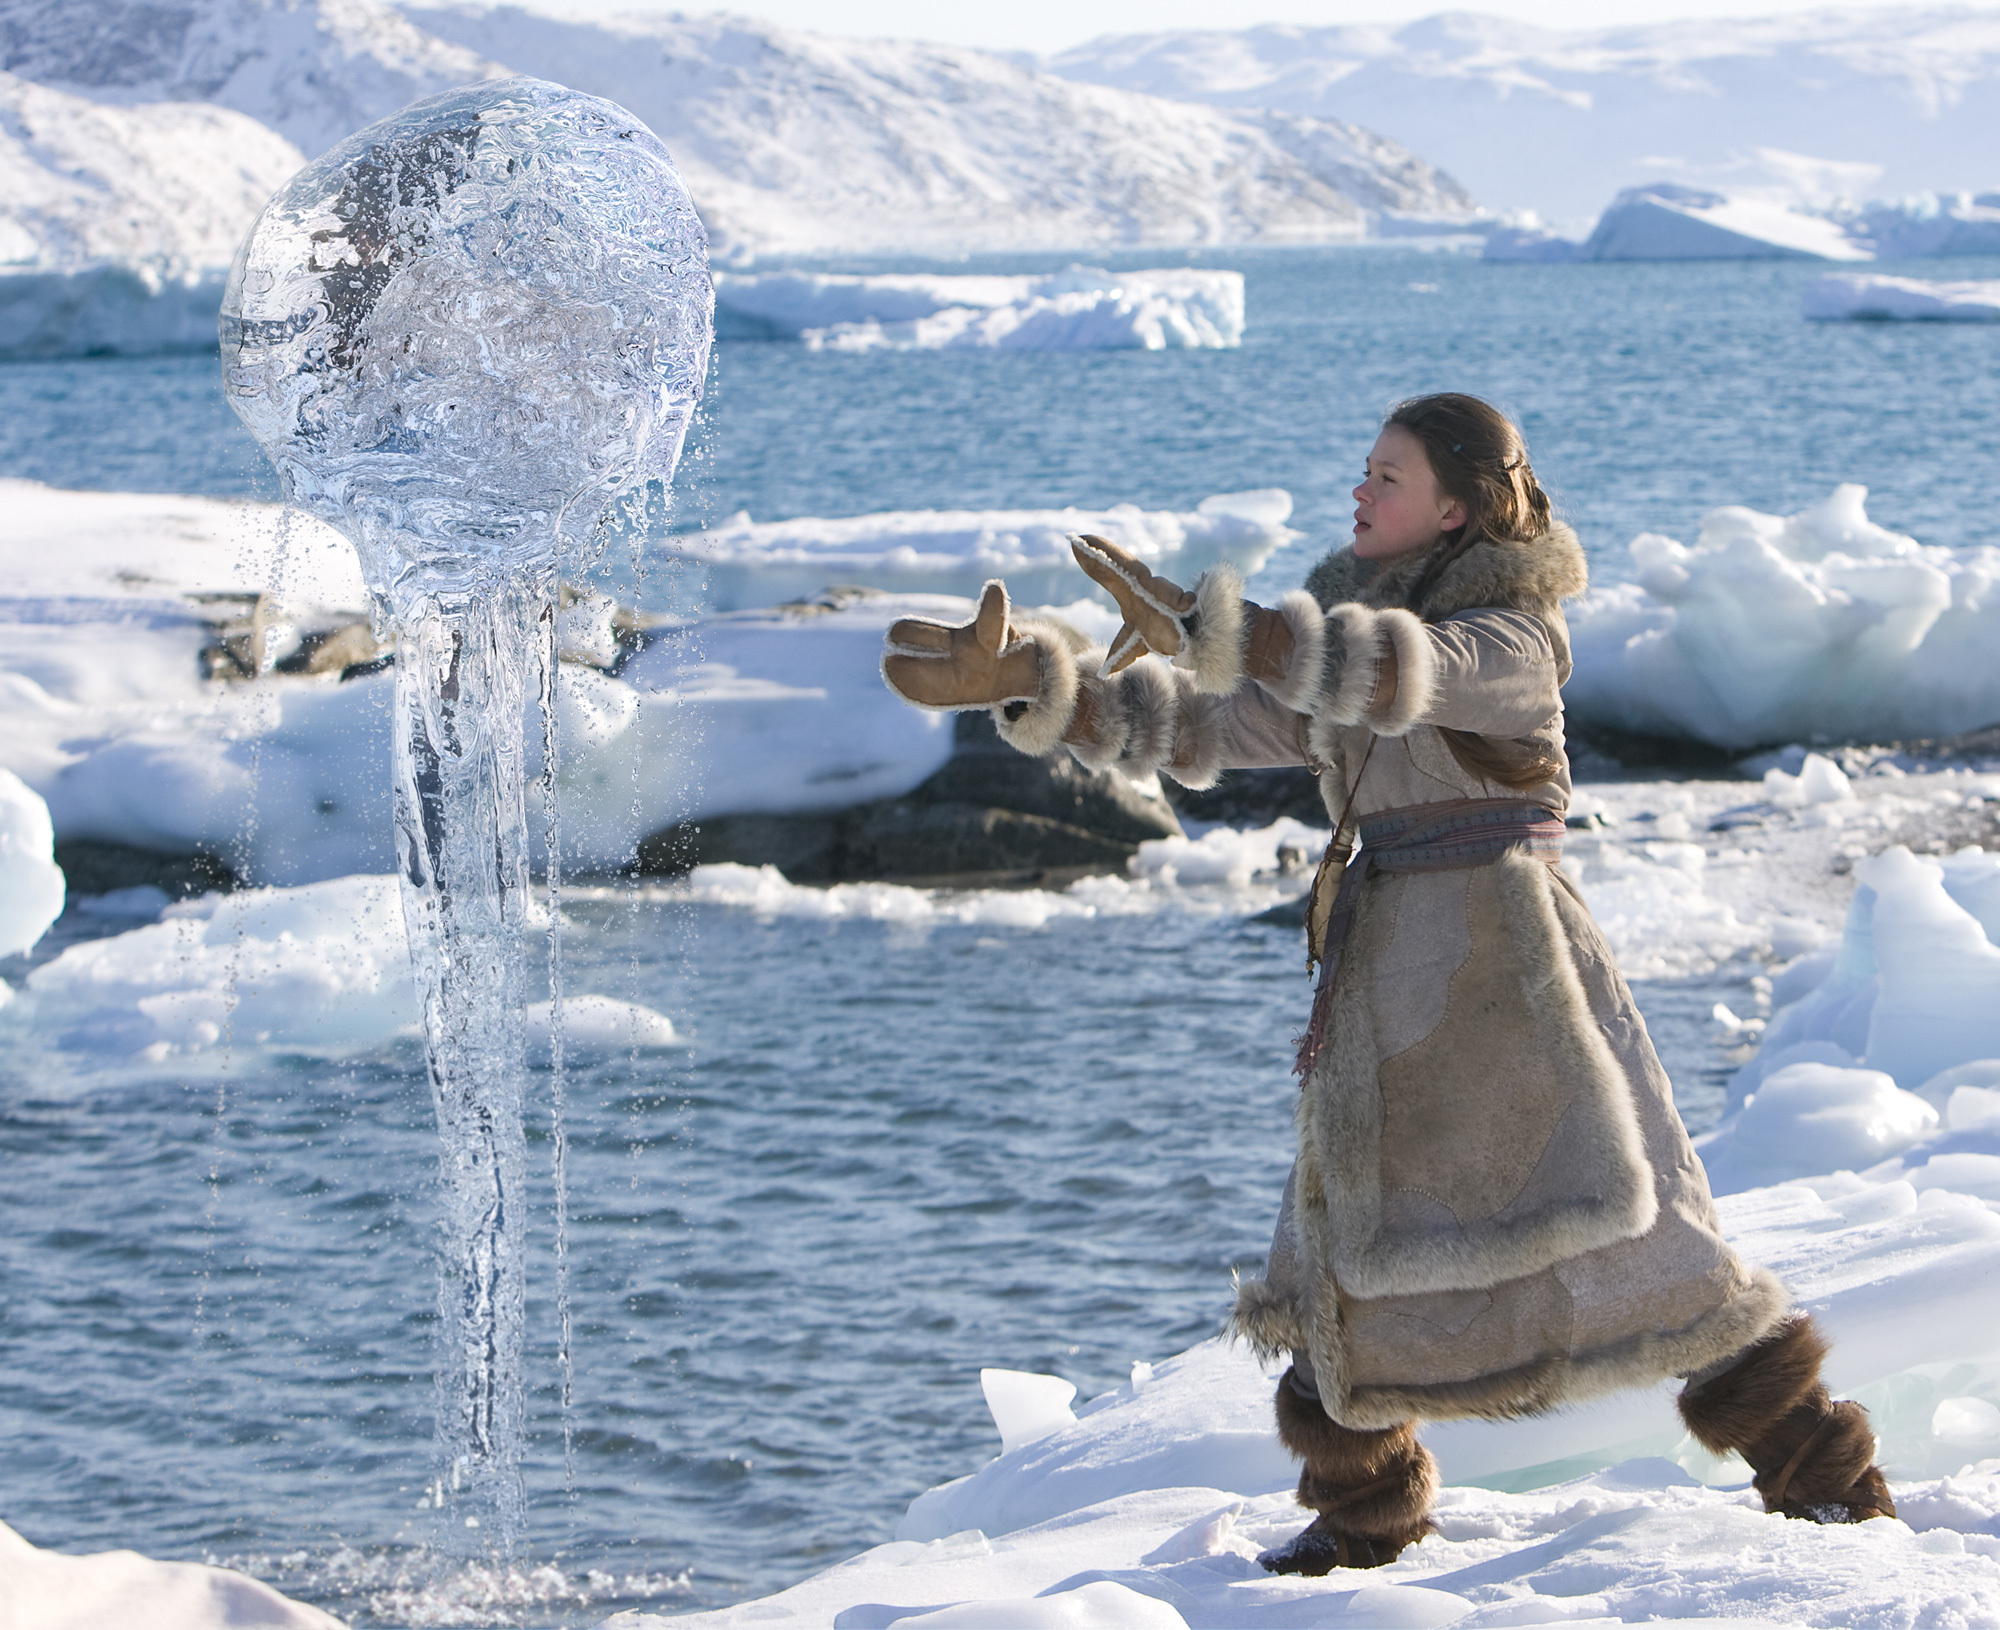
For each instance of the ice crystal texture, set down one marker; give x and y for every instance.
(459, 336)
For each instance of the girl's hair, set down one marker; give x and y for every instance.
(1479, 458)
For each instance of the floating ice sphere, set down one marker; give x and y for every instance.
(465, 329)
(459, 336)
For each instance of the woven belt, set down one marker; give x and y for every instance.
(1443, 837)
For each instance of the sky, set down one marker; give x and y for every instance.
(1046, 26)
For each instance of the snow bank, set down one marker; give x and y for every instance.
(1814, 626)
(1848, 296)
(117, 224)
(1668, 222)
(46, 1590)
(111, 599)
(1075, 310)
(1168, 1486)
(750, 563)
(31, 884)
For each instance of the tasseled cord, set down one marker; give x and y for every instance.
(1326, 924)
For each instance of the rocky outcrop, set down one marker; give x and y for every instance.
(989, 816)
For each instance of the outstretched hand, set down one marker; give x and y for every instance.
(973, 665)
(1155, 610)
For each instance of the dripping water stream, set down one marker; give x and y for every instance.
(462, 848)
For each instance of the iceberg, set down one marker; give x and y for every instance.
(1532, 244)
(1929, 224)
(1664, 221)
(746, 563)
(1858, 297)
(1819, 626)
(1082, 308)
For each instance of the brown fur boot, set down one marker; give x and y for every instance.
(1372, 1490)
(1813, 1457)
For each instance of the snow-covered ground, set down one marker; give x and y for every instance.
(1819, 626)
(1806, 109)
(115, 597)
(1858, 297)
(1081, 309)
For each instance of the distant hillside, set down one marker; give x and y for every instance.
(1813, 106)
(168, 187)
(790, 141)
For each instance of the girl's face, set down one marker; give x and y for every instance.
(1398, 508)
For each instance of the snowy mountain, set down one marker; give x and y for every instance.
(313, 70)
(1805, 108)
(168, 187)
(789, 141)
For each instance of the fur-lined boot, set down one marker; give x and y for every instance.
(1372, 1490)
(1813, 1458)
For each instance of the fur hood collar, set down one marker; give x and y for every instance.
(1532, 577)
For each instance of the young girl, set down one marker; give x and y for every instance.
(1495, 1210)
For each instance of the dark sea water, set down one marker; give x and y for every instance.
(887, 1157)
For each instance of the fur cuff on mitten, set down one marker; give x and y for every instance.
(1296, 679)
(1200, 741)
(1132, 716)
(1377, 670)
(1211, 652)
(1036, 727)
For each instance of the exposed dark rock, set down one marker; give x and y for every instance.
(1600, 752)
(1255, 798)
(91, 867)
(989, 815)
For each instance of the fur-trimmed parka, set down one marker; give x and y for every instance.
(1495, 1208)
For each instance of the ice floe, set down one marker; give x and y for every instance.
(1859, 297)
(321, 968)
(1083, 308)
(1814, 626)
